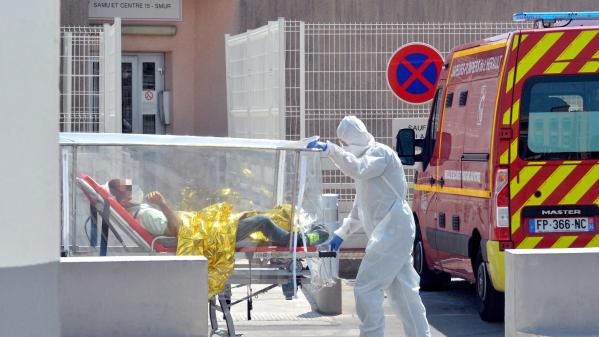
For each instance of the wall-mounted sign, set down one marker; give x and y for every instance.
(149, 103)
(418, 124)
(165, 10)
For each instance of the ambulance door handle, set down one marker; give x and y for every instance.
(432, 180)
(441, 182)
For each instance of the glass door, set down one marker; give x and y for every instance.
(142, 86)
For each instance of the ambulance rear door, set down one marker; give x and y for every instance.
(552, 110)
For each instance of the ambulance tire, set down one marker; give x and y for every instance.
(490, 301)
(429, 279)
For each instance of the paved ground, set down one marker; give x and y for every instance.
(450, 313)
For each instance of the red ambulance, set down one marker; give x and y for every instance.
(511, 154)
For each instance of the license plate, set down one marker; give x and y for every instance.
(551, 225)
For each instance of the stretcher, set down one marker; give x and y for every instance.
(109, 217)
(109, 229)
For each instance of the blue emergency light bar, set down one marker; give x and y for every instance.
(555, 16)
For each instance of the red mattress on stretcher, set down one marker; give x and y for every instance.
(148, 237)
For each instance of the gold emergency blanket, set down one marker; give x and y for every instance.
(211, 233)
(280, 215)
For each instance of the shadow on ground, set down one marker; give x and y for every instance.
(454, 312)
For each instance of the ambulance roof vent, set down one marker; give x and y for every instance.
(558, 19)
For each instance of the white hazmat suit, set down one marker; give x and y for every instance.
(381, 209)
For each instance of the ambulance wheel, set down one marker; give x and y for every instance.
(429, 278)
(490, 301)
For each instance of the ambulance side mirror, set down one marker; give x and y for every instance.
(406, 146)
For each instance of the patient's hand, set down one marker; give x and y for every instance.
(156, 198)
(174, 222)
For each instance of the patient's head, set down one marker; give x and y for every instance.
(121, 189)
(125, 192)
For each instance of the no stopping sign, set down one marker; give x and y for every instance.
(413, 72)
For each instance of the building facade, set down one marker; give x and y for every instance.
(173, 54)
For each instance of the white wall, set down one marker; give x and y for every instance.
(29, 206)
(551, 292)
(134, 296)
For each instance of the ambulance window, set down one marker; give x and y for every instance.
(432, 129)
(449, 99)
(559, 118)
(463, 98)
(437, 117)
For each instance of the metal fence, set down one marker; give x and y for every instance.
(80, 78)
(330, 71)
(90, 78)
(255, 82)
(334, 70)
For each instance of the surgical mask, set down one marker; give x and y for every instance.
(137, 195)
(356, 150)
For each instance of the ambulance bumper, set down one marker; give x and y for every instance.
(496, 265)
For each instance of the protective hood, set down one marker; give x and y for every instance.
(354, 134)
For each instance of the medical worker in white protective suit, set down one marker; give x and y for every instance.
(381, 209)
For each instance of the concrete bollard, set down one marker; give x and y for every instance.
(551, 292)
(134, 296)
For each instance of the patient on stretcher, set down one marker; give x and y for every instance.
(158, 218)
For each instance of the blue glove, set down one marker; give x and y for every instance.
(336, 242)
(317, 145)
